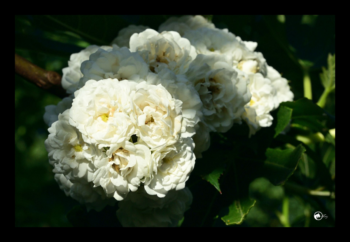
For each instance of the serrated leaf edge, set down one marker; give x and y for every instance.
(243, 214)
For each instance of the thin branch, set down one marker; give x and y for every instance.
(305, 191)
(48, 80)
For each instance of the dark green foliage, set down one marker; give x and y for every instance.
(281, 164)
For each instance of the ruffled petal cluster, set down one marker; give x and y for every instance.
(116, 62)
(141, 111)
(221, 42)
(180, 88)
(119, 135)
(283, 92)
(172, 164)
(222, 92)
(72, 159)
(257, 111)
(163, 50)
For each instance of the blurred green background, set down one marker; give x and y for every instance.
(289, 43)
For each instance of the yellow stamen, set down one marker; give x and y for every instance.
(212, 49)
(78, 148)
(104, 117)
(251, 103)
(240, 65)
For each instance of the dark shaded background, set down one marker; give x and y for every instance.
(48, 41)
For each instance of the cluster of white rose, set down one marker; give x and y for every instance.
(140, 111)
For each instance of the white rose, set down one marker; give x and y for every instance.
(211, 41)
(72, 161)
(222, 92)
(283, 92)
(173, 168)
(185, 23)
(67, 150)
(158, 115)
(140, 209)
(163, 50)
(201, 139)
(180, 88)
(117, 63)
(123, 169)
(123, 38)
(52, 111)
(257, 111)
(100, 111)
(72, 74)
(222, 42)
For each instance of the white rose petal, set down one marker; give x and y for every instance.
(117, 63)
(185, 23)
(180, 88)
(222, 92)
(66, 146)
(201, 139)
(72, 161)
(52, 111)
(123, 38)
(283, 92)
(257, 111)
(123, 169)
(249, 44)
(210, 41)
(163, 50)
(222, 42)
(158, 115)
(72, 74)
(101, 111)
(173, 169)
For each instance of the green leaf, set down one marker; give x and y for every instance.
(305, 64)
(313, 124)
(328, 75)
(214, 176)
(322, 172)
(307, 114)
(330, 139)
(284, 115)
(328, 152)
(328, 80)
(308, 167)
(240, 174)
(304, 108)
(238, 210)
(180, 222)
(281, 164)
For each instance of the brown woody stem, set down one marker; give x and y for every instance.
(48, 80)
